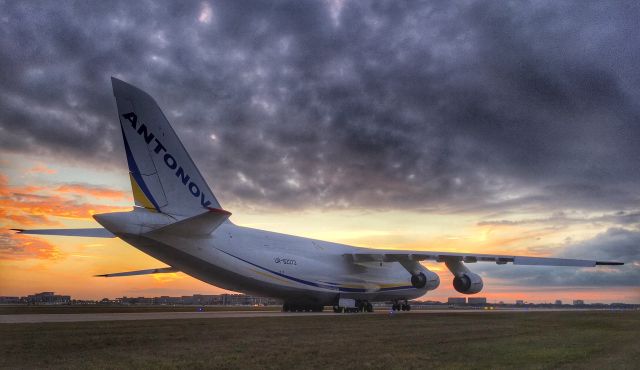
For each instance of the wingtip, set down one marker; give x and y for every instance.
(118, 84)
(115, 80)
(608, 263)
(18, 231)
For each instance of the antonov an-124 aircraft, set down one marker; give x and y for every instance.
(177, 220)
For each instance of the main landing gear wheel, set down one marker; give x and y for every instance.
(361, 306)
(397, 306)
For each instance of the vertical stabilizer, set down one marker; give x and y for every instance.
(163, 175)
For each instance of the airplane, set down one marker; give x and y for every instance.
(177, 219)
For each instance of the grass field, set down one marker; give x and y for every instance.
(551, 340)
(62, 309)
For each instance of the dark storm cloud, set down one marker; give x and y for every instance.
(563, 219)
(474, 106)
(613, 245)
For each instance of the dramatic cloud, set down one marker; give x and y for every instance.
(563, 219)
(21, 247)
(22, 206)
(93, 190)
(468, 106)
(41, 169)
(613, 245)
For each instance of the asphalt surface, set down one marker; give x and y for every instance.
(80, 317)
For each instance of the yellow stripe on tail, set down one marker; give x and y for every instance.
(138, 195)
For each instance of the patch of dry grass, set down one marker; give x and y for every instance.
(496, 340)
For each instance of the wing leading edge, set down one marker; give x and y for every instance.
(163, 270)
(404, 256)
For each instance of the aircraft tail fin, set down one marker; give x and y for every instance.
(163, 175)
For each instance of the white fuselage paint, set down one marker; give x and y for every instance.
(291, 268)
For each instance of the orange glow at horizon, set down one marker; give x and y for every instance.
(36, 197)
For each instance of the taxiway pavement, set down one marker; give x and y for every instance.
(81, 317)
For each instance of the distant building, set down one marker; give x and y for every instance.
(578, 302)
(201, 300)
(133, 300)
(520, 302)
(558, 302)
(9, 300)
(456, 300)
(48, 298)
(166, 300)
(246, 300)
(477, 300)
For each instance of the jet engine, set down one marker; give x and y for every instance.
(425, 279)
(467, 283)
(464, 281)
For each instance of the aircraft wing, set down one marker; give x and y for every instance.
(91, 233)
(405, 256)
(163, 270)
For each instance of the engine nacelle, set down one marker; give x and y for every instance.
(467, 283)
(425, 279)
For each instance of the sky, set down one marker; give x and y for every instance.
(479, 126)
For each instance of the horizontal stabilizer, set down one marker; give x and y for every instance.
(163, 270)
(200, 225)
(90, 233)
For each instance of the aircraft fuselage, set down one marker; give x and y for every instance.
(282, 266)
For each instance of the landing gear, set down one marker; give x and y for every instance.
(364, 306)
(368, 307)
(361, 306)
(401, 306)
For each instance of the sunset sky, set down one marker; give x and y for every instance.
(487, 127)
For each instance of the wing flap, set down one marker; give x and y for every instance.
(404, 256)
(87, 233)
(162, 270)
(540, 261)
